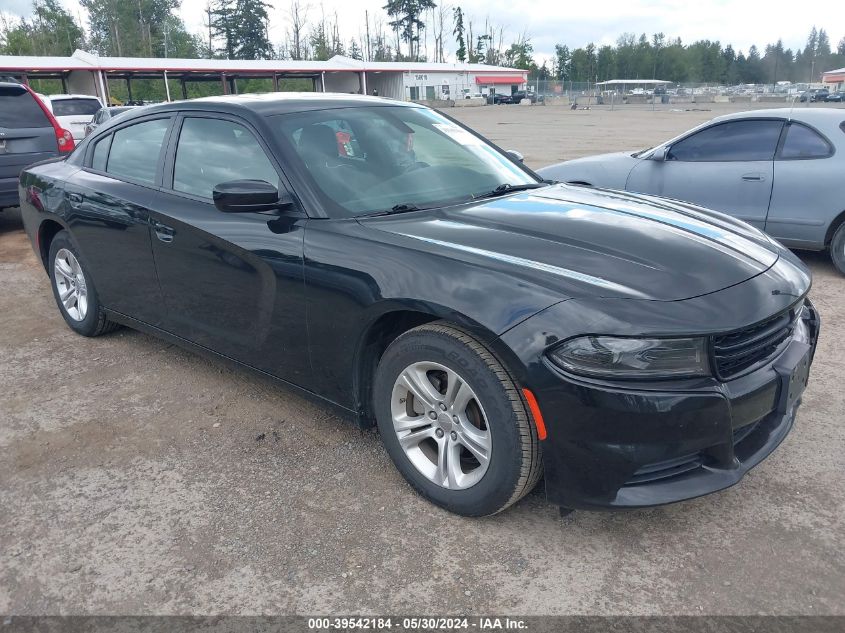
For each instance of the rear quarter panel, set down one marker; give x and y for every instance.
(41, 189)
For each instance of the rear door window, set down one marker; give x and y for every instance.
(135, 150)
(75, 107)
(753, 140)
(802, 142)
(18, 109)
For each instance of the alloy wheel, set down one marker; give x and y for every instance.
(441, 425)
(71, 285)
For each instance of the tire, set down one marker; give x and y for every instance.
(837, 248)
(492, 421)
(81, 310)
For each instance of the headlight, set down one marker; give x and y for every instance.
(802, 331)
(613, 357)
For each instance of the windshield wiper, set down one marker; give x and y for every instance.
(508, 188)
(397, 208)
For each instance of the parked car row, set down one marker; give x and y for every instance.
(516, 97)
(35, 127)
(497, 328)
(818, 95)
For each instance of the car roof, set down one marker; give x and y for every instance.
(817, 116)
(278, 103)
(12, 84)
(65, 97)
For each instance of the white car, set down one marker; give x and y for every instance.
(73, 112)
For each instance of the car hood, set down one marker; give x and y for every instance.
(580, 242)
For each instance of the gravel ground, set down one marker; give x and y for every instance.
(137, 478)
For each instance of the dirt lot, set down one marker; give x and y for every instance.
(137, 478)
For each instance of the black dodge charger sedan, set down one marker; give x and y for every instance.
(384, 259)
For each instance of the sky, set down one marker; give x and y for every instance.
(578, 22)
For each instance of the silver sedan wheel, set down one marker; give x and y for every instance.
(441, 425)
(71, 286)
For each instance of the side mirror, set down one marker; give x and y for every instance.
(249, 196)
(659, 154)
(516, 155)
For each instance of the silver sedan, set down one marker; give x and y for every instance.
(780, 170)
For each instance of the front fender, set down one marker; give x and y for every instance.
(606, 170)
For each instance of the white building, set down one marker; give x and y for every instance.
(834, 79)
(84, 73)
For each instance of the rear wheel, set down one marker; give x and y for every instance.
(837, 248)
(454, 422)
(74, 289)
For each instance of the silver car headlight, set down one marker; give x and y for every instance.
(616, 357)
(801, 332)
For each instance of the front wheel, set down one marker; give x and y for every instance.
(454, 422)
(837, 248)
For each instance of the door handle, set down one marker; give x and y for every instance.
(753, 177)
(163, 232)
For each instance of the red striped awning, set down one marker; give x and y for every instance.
(499, 79)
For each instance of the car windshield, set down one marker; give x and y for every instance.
(74, 107)
(373, 159)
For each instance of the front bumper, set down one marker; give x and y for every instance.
(617, 447)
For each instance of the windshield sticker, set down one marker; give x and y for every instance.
(457, 134)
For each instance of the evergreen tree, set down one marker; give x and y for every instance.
(223, 25)
(458, 32)
(407, 22)
(250, 29)
(561, 62)
(355, 50)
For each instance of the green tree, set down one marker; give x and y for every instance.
(50, 31)
(137, 28)
(561, 62)
(251, 20)
(223, 26)
(241, 25)
(321, 48)
(519, 55)
(606, 63)
(458, 32)
(407, 23)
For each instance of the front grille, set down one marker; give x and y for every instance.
(738, 351)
